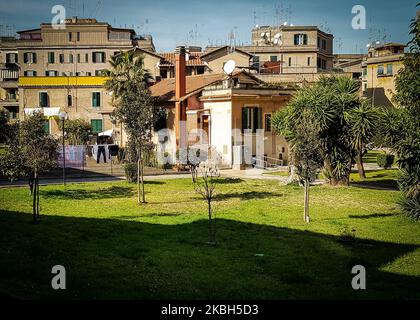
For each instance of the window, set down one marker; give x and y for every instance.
(319, 42)
(70, 58)
(200, 70)
(78, 36)
(98, 57)
(267, 122)
(380, 70)
(324, 44)
(78, 58)
(88, 74)
(301, 39)
(29, 73)
(46, 125)
(251, 119)
(70, 36)
(99, 73)
(51, 73)
(365, 72)
(389, 69)
(96, 99)
(43, 99)
(309, 61)
(69, 100)
(11, 58)
(290, 62)
(87, 57)
(29, 57)
(61, 57)
(96, 125)
(51, 57)
(256, 62)
(273, 58)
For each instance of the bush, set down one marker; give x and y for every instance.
(385, 160)
(130, 170)
(409, 201)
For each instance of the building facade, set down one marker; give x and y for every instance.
(52, 69)
(379, 70)
(283, 50)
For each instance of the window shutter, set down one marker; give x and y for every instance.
(93, 57)
(25, 57)
(244, 119)
(305, 39)
(103, 57)
(34, 57)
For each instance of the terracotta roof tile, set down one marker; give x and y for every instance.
(194, 60)
(165, 89)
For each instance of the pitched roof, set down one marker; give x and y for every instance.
(194, 59)
(226, 48)
(165, 89)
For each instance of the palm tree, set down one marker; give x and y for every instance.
(363, 121)
(129, 82)
(127, 70)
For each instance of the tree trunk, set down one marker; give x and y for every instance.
(138, 176)
(212, 232)
(360, 167)
(34, 199)
(37, 198)
(306, 217)
(142, 178)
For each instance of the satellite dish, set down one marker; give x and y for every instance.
(256, 26)
(291, 24)
(285, 23)
(378, 42)
(262, 34)
(229, 67)
(277, 36)
(368, 45)
(279, 42)
(276, 41)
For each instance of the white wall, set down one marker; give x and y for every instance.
(221, 128)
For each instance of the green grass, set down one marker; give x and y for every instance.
(371, 157)
(112, 248)
(278, 173)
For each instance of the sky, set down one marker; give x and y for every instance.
(203, 23)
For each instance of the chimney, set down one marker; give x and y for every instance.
(180, 89)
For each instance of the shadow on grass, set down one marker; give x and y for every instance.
(247, 195)
(374, 215)
(388, 184)
(113, 258)
(81, 194)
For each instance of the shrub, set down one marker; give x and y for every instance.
(385, 160)
(410, 196)
(130, 170)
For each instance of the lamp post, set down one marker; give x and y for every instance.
(63, 117)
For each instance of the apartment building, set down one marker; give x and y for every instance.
(289, 50)
(9, 74)
(52, 69)
(379, 69)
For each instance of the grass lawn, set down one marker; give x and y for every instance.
(112, 248)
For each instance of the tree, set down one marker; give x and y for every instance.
(327, 101)
(77, 131)
(205, 185)
(304, 149)
(401, 126)
(127, 69)
(136, 111)
(128, 80)
(32, 153)
(363, 123)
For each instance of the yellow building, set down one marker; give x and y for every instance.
(53, 69)
(379, 70)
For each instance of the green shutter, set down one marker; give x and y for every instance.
(96, 125)
(46, 126)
